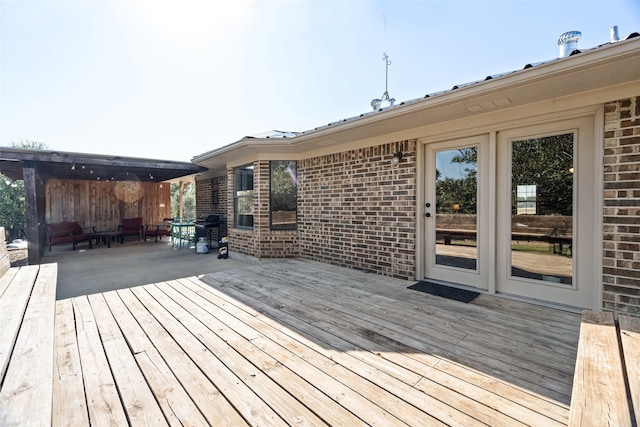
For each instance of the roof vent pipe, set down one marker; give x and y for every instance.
(568, 42)
(613, 34)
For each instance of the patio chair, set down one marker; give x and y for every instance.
(162, 229)
(131, 227)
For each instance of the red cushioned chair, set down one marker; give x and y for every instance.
(131, 227)
(158, 230)
(68, 232)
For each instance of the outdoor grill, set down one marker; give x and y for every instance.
(205, 224)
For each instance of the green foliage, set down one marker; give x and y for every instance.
(188, 201)
(12, 204)
(12, 208)
(459, 194)
(30, 145)
(545, 162)
(244, 196)
(284, 185)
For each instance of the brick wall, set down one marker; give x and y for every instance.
(357, 209)
(621, 216)
(261, 241)
(205, 189)
(243, 240)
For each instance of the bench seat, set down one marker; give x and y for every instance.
(27, 313)
(606, 382)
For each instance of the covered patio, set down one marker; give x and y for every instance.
(91, 189)
(297, 342)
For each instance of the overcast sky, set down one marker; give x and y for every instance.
(174, 79)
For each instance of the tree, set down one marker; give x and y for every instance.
(459, 192)
(30, 145)
(547, 164)
(12, 203)
(188, 201)
(284, 185)
(12, 208)
(544, 163)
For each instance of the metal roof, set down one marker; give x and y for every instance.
(458, 86)
(292, 136)
(83, 166)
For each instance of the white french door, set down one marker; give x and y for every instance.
(516, 212)
(547, 240)
(456, 212)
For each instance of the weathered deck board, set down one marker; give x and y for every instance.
(303, 343)
(255, 380)
(630, 337)
(69, 403)
(101, 390)
(329, 323)
(321, 372)
(488, 356)
(260, 353)
(369, 368)
(28, 380)
(175, 402)
(599, 384)
(19, 283)
(138, 400)
(208, 399)
(250, 406)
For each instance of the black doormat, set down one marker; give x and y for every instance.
(461, 295)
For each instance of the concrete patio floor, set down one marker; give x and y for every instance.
(101, 269)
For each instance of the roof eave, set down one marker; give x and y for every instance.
(555, 69)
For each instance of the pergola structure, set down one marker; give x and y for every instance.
(36, 167)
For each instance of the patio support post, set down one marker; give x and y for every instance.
(180, 204)
(34, 210)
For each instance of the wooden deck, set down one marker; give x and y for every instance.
(303, 343)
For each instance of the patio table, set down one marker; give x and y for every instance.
(181, 232)
(107, 236)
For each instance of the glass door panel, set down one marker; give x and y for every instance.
(456, 217)
(547, 213)
(542, 208)
(456, 213)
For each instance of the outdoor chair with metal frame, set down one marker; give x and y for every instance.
(162, 229)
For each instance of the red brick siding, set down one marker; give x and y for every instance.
(261, 241)
(240, 240)
(621, 216)
(357, 209)
(204, 199)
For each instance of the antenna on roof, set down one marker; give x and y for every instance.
(376, 103)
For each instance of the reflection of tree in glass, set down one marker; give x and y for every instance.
(284, 194)
(245, 202)
(547, 163)
(284, 185)
(459, 195)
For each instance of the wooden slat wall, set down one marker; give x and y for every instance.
(103, 203)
